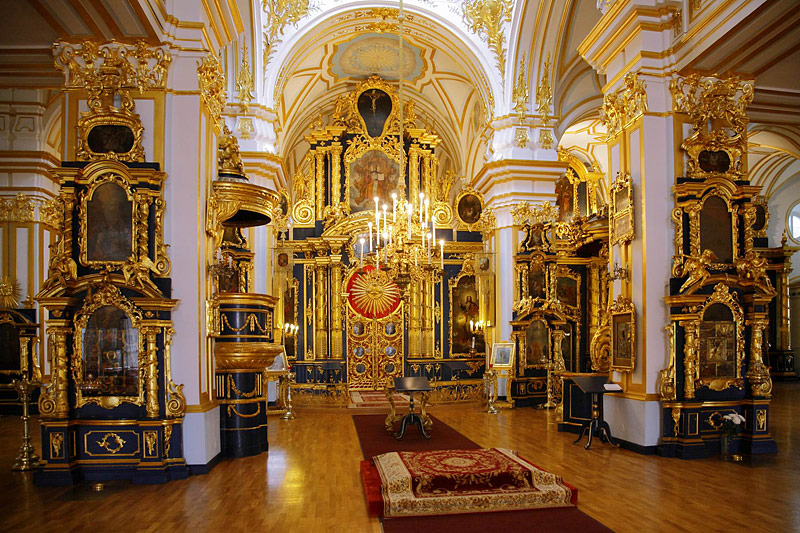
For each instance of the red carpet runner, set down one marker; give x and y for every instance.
(375, 440)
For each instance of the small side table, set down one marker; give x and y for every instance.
(412, 385)
(594, 385)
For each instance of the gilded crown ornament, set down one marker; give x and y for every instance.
(211, 80)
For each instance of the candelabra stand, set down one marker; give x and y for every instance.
(549, 404)
(490, 386)
(289, 414)
(27, 459)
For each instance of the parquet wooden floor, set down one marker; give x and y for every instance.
(309, 481)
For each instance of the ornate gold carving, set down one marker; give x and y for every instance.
(667, 386)
(546, 140)
(106, 70)
(254, 356)
(486, 18)
(176, 401)
(211, 80)
(113, 445)
(17, 209)
(600, 348)
(690, 366)
(56, 442)
(676, 419)
(103, 296)
(708, 98)
(529, 214)
(753, 267)
(522, 137)
(229, 197)
(758, 373)
(150, 440)
(720, 104)
(53, 401)
(544, 96)
(244, 82)
(167, 438)
(9, 292)
(228, 157)
(622, 219)
(111, 67)
(761, 420)
(279, 14)
(520, 94)
(621, 107)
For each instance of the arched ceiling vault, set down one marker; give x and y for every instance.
(331, 53)
(552, 31)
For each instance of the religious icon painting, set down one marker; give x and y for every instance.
(109, 225)
(372, 175)
(469, 208)
(464, 313)
(623, 336)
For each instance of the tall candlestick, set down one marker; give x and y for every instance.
(410, 212)
(429, 248)
(384, 223)
(361, 262)
(385, 248)
(391, 230)
(421, 200)
(441, 248)
(370, 237)
(394, 208)
(377, 221)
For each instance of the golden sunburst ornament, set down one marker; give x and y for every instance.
(372, 294)
(9, 293)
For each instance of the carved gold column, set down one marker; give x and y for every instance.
(782, 303)
(414, 326)
(426, 170)
(54, 400)
(320, 180)
(142, 214)
(689, 358)
(427, 318)
(151, 334)
(321, 337)
(595, 290)
(336, 172)
(336, 308)
(757, 373)
(413, 172)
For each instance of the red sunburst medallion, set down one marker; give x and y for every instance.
(372, 294)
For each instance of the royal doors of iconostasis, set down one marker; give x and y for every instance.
(375, 333)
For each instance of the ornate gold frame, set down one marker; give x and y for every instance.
(475, 226)
(623, 183)
(523, 342)
(623, 308)
(467, 269)
(563, 271)
(113, 117)
(363, 144)
(94, 182)
(761, 201)
(106, 295)
(510, 364)
(724, 296)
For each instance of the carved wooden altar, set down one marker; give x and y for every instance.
(110, 408)
(723, 285)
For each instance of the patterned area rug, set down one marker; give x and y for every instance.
(466, 481)
(375, 399)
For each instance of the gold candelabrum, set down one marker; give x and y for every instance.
(289, 331)
(402, 243)
(27, 459)
(476, 328)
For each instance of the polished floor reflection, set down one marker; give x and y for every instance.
(309, 481)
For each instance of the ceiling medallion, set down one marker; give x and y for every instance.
(376, 54)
